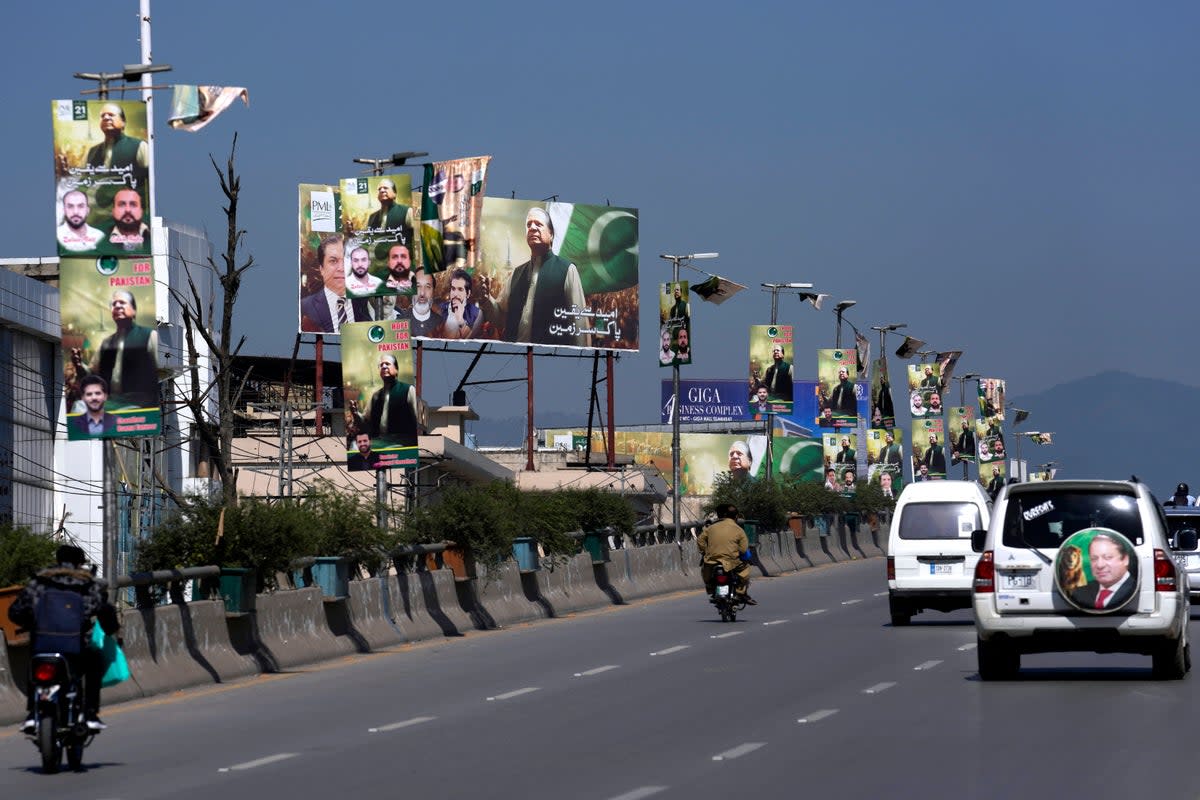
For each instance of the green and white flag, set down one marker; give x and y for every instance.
(601, 241)
(451, 209)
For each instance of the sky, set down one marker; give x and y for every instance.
(1016, 180)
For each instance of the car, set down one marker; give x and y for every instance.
(1185, 518)
(930, 563)
(1080, 565)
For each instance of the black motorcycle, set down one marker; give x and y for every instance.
(58, 708)
(724, 594)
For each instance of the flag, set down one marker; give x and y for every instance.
(716, 289)
(451, 209)
(1020, 416)
(909, 348)
(864, 355)
(601, 241)
(948, 360)
(815, 299)
(193, 107)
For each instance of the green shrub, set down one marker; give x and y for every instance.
(756, 499)
(23, 553)
(344, 524)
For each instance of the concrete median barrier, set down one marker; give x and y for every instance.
(288, 629)
(502, 597)
(368, 617)
(12, 699)
(570, 586)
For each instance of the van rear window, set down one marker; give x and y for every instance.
(1044, 519)
(939, 520)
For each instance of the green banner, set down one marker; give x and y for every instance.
(836, 395)
(674, 324)
(771, 360)
(924, 391)
(378, 225)
(383, 413)
(928, 449)
(962, 434)
(885, 459)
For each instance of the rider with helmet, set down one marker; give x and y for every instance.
(725, 543)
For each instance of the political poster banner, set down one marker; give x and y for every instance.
(771, 359)
(548, 274)
(110, 347)
(993, 476)
(962, 434)
(882, 411)
(102, 178)
(674, 324)
(885, 460)
(705, 401)
(383, 413)
(378, 225)
(946, 362)
(928, 449)
(451, 210)
(840, 452)
(924, 391)
(323, 306)
(991, 398)
(989, 437)
(837, 371)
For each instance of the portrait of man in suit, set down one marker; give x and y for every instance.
(1113, 583)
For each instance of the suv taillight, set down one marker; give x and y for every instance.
(1164, 572)
(891, 567)
(985, 574)
(44, 672)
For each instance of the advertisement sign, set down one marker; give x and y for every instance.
(451, 211)
(324, 307)
(989, 433)
(885, 460)
(928, 449)
(841, 455)
(705, 400)
(991, 398)
(383, 413)
(550, 274)
(674, 324)
(110, 347)
(378, 225)
(962, 434)
(102, 178)
(924, 391)
(837, 399)
(883, 413)
(771, 358)
(992, 477)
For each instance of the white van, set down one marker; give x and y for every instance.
(930, 563)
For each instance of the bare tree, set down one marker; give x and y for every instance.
(200, 321)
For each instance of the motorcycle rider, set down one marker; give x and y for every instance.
(69, 575)
(724, 542)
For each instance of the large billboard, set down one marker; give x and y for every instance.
(110, 347)
(383, 413)
(324, 307)
(102, 178)
(771, 374)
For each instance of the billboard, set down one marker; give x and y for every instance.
(924, 391)
(883, 413)
(110, 369)
(837, 395)
(771, 374)
(674, 324)
(885, 459)
(383, 413)
(451, 211)
(102, 178)
(928, 449)
(705, 400)
(378, 226)
(324, 306)
(962, 434)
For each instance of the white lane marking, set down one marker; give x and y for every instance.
(259, 762)
(516, 693)
(775, 622)
(881, 594)
(851, 602)
(926, 665)
(639, 793)
(597, 670)
(739, 751)
(726, 635)
(970, 646)
(817, 716)
(815, 611)
(879, 687)
(670, 650)
(395, 726)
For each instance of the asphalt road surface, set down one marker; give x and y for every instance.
(811, 693)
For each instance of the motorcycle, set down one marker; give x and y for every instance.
(61, 725)
(724, 594)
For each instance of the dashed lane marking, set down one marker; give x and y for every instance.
(817, 716)
(670, 650)
(259, 762)
(395, 726)
(597, 670)
(879, 687)
(739, 751)
(515, 693)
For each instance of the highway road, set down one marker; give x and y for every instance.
(811, 693)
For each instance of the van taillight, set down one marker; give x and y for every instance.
(44, 672)
(985, 574)
(891, 568)
(1164, 572)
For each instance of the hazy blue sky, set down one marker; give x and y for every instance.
(1018, 180)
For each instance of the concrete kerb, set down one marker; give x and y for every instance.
(502, 597)
(411, 607)
(571, 585)
(161, 657)
(291, 629)
(617, 572)
(368, 616)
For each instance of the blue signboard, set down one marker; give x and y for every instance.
(706, 401)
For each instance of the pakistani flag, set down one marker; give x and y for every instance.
(431, 223)
(451, 202)
(601, 241)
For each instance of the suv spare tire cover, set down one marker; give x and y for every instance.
(1080, 581)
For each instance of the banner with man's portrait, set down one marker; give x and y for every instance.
(102, 178)
(837, 399)
(771, 359)
(322, 263)
(962, 434)
(383, 414)
(882, 411)
(674, 324)
(885, 460)
(989, 438)
(924, 391)
(451, 211)
(379, 228)
(110, 347)
(991, 397)
(993, 476)
(840, 452)
(548, 274)
(928, 449)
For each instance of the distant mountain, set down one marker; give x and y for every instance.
(1114, 425)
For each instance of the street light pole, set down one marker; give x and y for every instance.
(962, 401)
(775, 289)
(675, 262)
(839, 309)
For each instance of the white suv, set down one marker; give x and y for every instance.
(1079, 566)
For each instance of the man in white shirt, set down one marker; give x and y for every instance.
(360, 282)
(74, 233)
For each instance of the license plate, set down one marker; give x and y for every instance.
(945, 569)
(722, 591)
(1017, 581)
